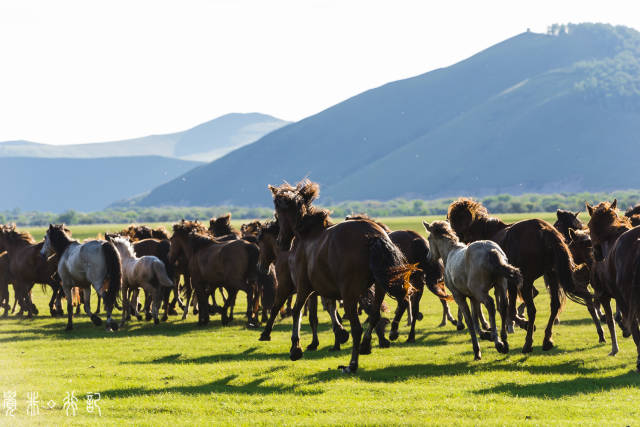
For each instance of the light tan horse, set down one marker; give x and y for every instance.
(146, 272)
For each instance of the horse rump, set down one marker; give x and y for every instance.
(389, 267)
(114, 274)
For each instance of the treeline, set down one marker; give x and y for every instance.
(502, 203)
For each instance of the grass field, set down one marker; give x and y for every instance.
(181, 374)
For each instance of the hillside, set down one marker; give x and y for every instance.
(535, 113)
(204, 142)
(55, 185)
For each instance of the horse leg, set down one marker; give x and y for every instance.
(201, 296)
(595, 316)
(462, 303)
(527, 295)
(148, 299)
(351, 313)
(552, 282)
(504, 317)
(81, 295)
(283, 292)
(67, 294)
(295, 352)
(98, 305)
(446, 315)
(606, 305)
(228, 304)
(460, 325)
(476, 312)
(341, 336)
(491, 309)
(312, 305)
(188, 291)
(636, 339)
(415, 306)
(165, 294)
(87, 308)
(375, 321)
(395, 323)
(156, 302)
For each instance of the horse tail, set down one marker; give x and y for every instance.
(267, 285)
(163, 251)
(634, 295)
(254, 253)
(162, 277)
(75, 296)
(562, 265)
(114, 274)
(497, 262)
(389, 267)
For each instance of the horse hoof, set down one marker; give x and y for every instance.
(384, 343)
(165, 318)
(547, 345)
(626, 334)
(411, 339)
(156, 321)
(342, 336)
(601, 339)
(505, 348)
(114, 326)
(419, 316)
(442, 324)
(477, 357)
(365, 347)
(68, 328)
(393, 335)
(264, 337)
(96, 320)
(138, 316)
(313, 346)
(613, 353)
(295, 353)
(528, 348)
(485, 335)
(348, 369)
(460, 326)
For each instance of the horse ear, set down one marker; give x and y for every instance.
(572, 233)
(589, 209)
(426, 226)
(614, 204)
(274, 190)
(576, 214)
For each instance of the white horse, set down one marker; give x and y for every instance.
(93, 263)
(470, 272)
(147, 272)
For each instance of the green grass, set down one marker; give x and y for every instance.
(178, 373)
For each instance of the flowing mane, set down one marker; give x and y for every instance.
(301, 197)
(443, 230)
(468, 216)
(59, 238)
(10, 232)
(124, 243)
(221, 226)
(186, 226)
(605, 223)
(269, 227)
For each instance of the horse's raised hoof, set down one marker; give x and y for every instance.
(35, 310)
(626, 333)
(348, 369)
(365, 347)
(156, 321)
(510, 328)
(384, 343)
(264, 337)
(528, 347)
(96, 320)
(342, 336)
(419, 316)
(486, 335)
(460, 326)
(443, 323)
(184, 315)
(313, 346)
(393, 334)
(295, 353)
(547, 345)
(502, 347)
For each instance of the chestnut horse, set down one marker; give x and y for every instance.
(616, 270)
(27, 267)
(270, 253)
(337, 262)
(533, 246)
(213, 263)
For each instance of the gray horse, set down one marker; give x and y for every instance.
(471, 271)
(93, 263)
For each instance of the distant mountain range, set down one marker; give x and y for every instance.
(535, 113)
(204, 142)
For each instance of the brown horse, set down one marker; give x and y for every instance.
(213, 263)
(533, 246)
(337, 261)
(415, 248)
(270, 253)
(222, 229)
(566, 221)
(139, 232)
(5, 278)
(27, 267)
(614, 273)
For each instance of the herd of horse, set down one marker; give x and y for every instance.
(471, 258)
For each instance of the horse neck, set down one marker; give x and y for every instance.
(447, 246)
(11, 245)
(490, 226)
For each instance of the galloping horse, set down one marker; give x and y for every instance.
(337, 262)
(566, 221)
(147, 272)
(533, 246)
(616, 270)
(470, 271)
(27, 267)
(93, 263)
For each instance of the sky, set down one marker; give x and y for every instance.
(90, 71)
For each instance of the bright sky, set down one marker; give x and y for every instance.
(84, 71)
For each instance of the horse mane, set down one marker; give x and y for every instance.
(634, 210)
(186, 226)
(468, 206)
(606, 223)
(221, 225)
(198, 240)
(302, 196)
(59, 238)
(365, 217)
(443, 230)
(124, 242)
(316, 219)
(635, 220)
(251, 228)
(160, 233)
(14, 235)
(269, 227)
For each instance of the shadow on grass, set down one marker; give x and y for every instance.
(563, 388)
(221, 386)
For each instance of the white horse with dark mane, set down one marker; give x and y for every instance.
(147, 272)
(471, 271)
(93, 263)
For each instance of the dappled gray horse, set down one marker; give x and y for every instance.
(471, 271)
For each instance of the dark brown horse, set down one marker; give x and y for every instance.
(415, 248)
(566, 221)
(270, 253)
(616, 270)
(221, 228)
(5, 279)
(27, 267)
(537, 249)
(213, 263)
(139, 232)
(337, 262)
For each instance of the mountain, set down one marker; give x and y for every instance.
(55, 185)
(204, 142)
(537, 112)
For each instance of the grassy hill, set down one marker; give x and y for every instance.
(204, 142)
(535, 113)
